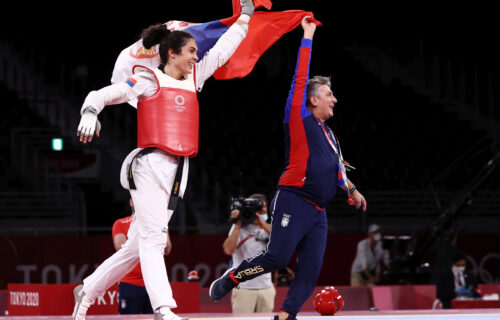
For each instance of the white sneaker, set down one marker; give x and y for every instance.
(82, 303)
(165, 313)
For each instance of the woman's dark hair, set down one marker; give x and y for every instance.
(158, 33)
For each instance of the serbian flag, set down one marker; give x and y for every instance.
(265, 28)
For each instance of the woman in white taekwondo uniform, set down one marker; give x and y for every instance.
(156, 172)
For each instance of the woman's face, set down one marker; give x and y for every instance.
(185, 60)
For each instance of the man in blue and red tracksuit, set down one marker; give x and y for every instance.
(310, 179)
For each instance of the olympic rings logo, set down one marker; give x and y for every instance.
(480, 270)
(179, 103)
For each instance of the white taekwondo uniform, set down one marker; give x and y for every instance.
(154, 174)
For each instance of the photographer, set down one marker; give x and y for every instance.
(365, 269)
(248, 236)
(456, 282)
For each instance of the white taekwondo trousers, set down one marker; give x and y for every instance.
(147, 236)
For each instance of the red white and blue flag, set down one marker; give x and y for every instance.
(265, 28)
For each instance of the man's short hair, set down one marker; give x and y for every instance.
(373, 227)
(457, 256)
(313, 85)
(259, 196)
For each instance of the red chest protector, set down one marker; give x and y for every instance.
(169, 119)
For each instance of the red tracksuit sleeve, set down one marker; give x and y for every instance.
(295, 112)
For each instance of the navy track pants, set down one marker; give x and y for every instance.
(296, 225)
(133, 299)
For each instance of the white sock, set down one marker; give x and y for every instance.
(164, 310)
(83, 308)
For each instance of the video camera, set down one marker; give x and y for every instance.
(403, 267)
(248, 208)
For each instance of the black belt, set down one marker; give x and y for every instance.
(130, 177)
(176, 187)
(174, 194)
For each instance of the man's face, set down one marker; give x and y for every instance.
(323, 103)
(460, 263)
(261, 212)
(375, 235)
(264, 209)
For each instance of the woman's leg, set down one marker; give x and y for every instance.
(114, 268)
(152, 216)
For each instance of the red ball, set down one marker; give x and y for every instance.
(193, 276)
(328, 301)
(350, 201)
(330, 289)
